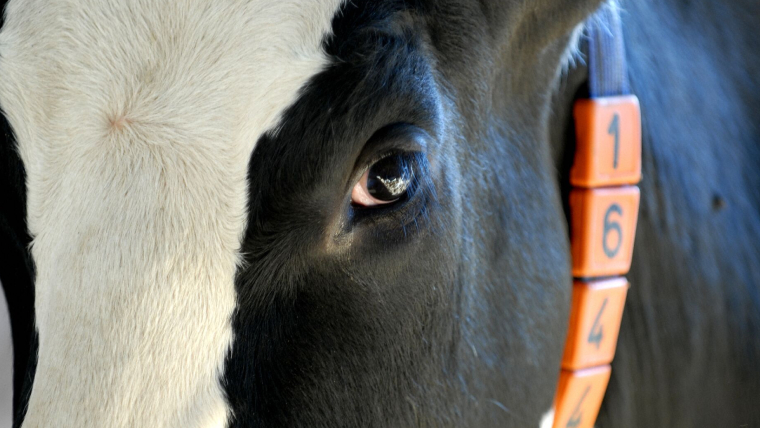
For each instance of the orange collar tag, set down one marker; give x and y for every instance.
(604, 205)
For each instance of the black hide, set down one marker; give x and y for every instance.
(16, 266)
(689, 348)
(689, 353)
(447, 309)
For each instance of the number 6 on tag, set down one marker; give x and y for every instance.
(603, 225)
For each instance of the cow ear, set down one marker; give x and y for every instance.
(539, 20)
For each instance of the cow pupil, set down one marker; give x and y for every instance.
(389, 178)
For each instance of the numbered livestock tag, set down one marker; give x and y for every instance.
(608, 142)
(579, 396)
(594, 323)
(602, 227)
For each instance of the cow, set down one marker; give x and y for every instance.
(189, 236)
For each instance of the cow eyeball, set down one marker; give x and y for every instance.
(385, 182)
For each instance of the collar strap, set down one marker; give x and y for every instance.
(604, 204)
(607, 68)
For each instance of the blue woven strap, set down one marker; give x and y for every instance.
(608, 74)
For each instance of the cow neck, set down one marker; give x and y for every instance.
(603, 203)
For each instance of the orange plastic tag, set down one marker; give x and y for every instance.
(579, 396)
(603, 226)
(608, 136)
(594, 323)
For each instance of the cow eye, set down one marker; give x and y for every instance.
(385, 182)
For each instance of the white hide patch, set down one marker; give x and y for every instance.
(136, 120)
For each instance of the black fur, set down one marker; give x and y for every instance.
(16, 266)
(690, 344)
(450, 308)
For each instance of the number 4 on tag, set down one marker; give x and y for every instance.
(595, 315)
(596, 334)
(579, 396)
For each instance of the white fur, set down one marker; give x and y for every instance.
(572, 54)
(136, 120)
(547, 420)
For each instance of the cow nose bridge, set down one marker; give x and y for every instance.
(136, 245)
(135, 289)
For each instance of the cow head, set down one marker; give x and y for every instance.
(291, 213)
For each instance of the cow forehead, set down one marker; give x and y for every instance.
(232, 64)
(135, 121)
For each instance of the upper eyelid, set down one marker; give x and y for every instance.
(387, 154)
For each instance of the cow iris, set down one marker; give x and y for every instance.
(385, 181)
(388, 179)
